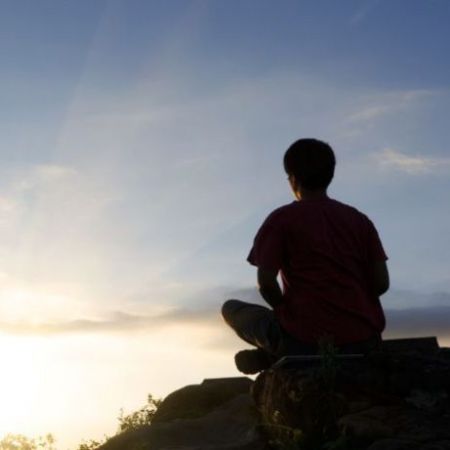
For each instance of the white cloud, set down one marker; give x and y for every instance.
(370, 107)
(53, 171)
(415, 321)
(370, 113)
(37, 176)
(413, 165)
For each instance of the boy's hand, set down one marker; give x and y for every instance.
(268, 287)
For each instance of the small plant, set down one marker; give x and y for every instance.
(139, 418)
(320, 430)
(283, 437)
(92, 444)
(326, 377)
(328, 363)
(127, 422)
(20, 442)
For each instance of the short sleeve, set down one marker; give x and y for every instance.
(375, 247)
(268, 246)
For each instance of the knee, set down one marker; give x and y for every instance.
(228, 307)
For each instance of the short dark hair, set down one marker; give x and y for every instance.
(312, 163)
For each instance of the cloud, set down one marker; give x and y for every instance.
(53, 171)
(204, 310)
(429, 316)
(370, 107)
(426, 321)
(370, 113)
(118, 321)
(402, 299)
(414, 165)
(40, 176)
(52, 217)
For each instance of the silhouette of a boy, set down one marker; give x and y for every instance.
(332, 266)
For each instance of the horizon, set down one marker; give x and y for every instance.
(141, 149)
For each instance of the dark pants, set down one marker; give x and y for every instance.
(258, 326)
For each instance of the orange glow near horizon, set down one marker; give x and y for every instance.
(47, 382)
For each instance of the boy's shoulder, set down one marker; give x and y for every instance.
(287, 211)
(348, 208)
(279, 213)
(312, 204)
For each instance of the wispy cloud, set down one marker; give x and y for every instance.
(117, 322)
(201, 308)
(429, 316)
(426, 321)
(412, 164)
(370, 112)
(372, 107)
(412, 322)
(38, 177)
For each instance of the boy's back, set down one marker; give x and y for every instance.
(332, 265)
(325, 251)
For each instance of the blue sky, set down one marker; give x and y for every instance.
(141, 147)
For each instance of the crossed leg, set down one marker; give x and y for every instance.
(258, 326)
(254, 324)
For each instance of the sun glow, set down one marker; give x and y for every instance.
(83, 379)
(32, 303)
(21, 379)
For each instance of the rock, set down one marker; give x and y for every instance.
(395, 398)
(371, 424)
(438, 445)
(390, 399)
(394, 444)
(218, 414)
(401, 444)
(424, 345)
(198, 399)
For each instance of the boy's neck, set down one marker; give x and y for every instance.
(306, 194)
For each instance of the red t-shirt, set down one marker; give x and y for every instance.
(324, 250)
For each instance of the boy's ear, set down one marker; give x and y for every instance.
(293, 181)
(295, 186)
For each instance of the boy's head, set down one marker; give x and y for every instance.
(311, 162)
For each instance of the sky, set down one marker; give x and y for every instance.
(141, 146)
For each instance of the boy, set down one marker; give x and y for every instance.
(332, 265)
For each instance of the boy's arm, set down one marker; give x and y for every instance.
(380, 277)
(268, 254)
(268, 287)
(378, 271)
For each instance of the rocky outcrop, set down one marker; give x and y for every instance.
(392, 399)
(218, 414)
(397, 398)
